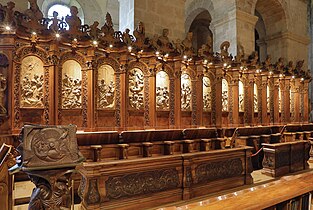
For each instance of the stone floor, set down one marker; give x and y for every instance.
(24, 189)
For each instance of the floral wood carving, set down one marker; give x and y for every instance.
(218, 170)
(141, 183)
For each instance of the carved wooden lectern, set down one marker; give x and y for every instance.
(49, 155)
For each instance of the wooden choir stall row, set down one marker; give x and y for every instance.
(111, 92)
(174, 164)
(101, 79)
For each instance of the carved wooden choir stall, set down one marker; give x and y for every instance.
(112, 85)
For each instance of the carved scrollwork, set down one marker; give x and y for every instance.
(141, 183)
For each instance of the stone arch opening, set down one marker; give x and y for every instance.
(200, 27)
(272, 23)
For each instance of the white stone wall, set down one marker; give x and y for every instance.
(160, 14)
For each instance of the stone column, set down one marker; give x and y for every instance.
(237, 28)
(127, 13)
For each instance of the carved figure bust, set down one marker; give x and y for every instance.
(73, 21)
(164, 40)
(127, 37)
(224, 49)
(139, 32)
(187, 42)
(94, 31)
(107, 28)
(8, 13)
(34, 14)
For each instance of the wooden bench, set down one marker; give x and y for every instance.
(162, 179)
(283, 158)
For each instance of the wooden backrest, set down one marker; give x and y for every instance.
(200, 133)
(97, 138)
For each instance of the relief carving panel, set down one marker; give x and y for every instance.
(32, 80)
(185, 92)
(71, 85)
(162, 91)
(105, 87)
(136, 86)
(207, 98)
(224, 95)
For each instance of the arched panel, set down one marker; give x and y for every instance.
(225, 104)
(207, 94)
(32, 82)
(105, 87)
(162, 91)
(241, 97)
(136, 89)
(185, 92)
(71, 85)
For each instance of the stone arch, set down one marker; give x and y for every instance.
(200, 27)
(194, 8)
(86, 11)
(272, 22)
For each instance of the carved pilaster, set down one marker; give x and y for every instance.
(147, 101)
(194, 102)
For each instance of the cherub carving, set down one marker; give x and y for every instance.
(35, 15)
(254, 57)
(55, 22)
(206, 49)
